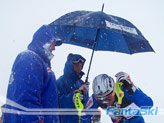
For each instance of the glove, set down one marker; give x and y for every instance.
(97, 116)
(81, 96)
(127, 83)
(84, 88)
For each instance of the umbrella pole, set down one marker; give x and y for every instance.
(102, 7)
(94, 46)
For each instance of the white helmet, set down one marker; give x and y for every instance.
(102, 86)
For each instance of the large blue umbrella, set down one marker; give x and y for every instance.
(100, 32)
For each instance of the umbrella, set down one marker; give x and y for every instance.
(100, 32)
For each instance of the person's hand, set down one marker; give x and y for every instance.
(127, 83)
(97, 116)
(84, 88)
(80, 96)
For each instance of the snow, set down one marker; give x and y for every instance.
(20, 19)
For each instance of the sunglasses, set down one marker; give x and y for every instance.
(79, 60)
(106, 98)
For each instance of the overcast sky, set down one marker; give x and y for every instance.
(19, 19)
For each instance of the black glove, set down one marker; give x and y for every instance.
(127, 83)
(96, 117)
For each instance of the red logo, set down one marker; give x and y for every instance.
(128, 78)
(90, 103)
(48, 69)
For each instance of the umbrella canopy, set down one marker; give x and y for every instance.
(100, 31)
(111, 33)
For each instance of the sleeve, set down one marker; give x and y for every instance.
(64, 95)
(66, 101)
(140, 98)
(90, 108)
(27, 85)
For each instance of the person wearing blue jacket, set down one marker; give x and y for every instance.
(104, 96)
(32, 84)
(69, 84)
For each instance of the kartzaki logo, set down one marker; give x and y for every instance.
(121, 27)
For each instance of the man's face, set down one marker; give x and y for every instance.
(111, 101)
(78, 67)
(52, 47)
(108, 100)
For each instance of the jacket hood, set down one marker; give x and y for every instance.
(42, 39)
(68, 70)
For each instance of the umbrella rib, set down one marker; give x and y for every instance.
(125, 41)
(128, 46)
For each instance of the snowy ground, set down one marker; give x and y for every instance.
(20, 19)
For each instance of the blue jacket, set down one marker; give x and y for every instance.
(67, 84)
(138, 99)
(32, 84)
